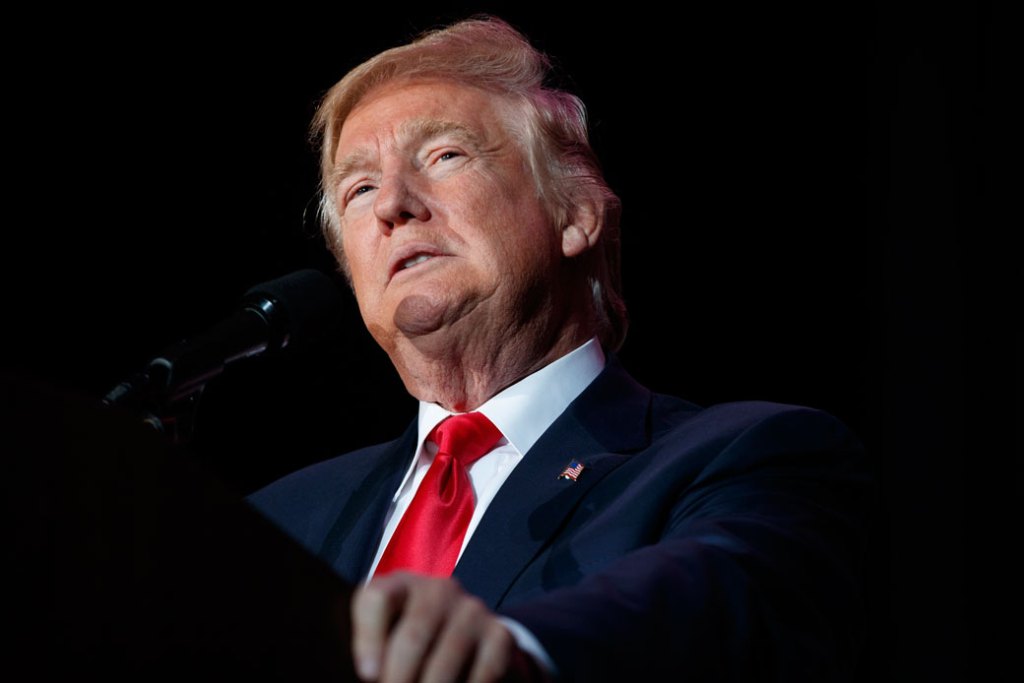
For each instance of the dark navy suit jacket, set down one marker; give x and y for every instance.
(720, 543)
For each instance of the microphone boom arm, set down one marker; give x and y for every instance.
(304, 304)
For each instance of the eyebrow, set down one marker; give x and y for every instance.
(418, 130)
(352, 162)
(414, 131)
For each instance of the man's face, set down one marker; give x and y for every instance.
(441, 225)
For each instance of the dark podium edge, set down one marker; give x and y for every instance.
(129, 557)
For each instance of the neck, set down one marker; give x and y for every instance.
(460, 376)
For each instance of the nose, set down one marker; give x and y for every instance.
(399, 200)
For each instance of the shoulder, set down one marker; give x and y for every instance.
(324, 477)
(730, 437)
(316, 491)
(769, 421)
(670, 427)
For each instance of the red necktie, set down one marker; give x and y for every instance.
(429, 536)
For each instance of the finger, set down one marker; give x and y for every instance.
(424, 613)
(458, 640)
(495, 656)
(375, 606)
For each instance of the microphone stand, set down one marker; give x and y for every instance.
(174, 418)
(303, 305)
(166, 393)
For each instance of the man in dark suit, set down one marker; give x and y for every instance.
(611, 532)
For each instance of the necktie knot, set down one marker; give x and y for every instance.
(466, 437)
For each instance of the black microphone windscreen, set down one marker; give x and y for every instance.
(311, 303)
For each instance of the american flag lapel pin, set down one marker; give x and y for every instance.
(572, 470)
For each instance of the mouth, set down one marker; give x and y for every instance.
(410, 257)
(414, 261)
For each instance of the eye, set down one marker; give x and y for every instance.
(357, 190)
(448, 155)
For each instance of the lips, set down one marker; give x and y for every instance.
(411, 255)
(415, 260)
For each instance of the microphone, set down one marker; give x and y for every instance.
(295, 310)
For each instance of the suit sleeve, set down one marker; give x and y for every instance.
(754, 572)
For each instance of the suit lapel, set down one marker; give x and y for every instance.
(352, 541)
(599, 429)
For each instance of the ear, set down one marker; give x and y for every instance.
(584, 226)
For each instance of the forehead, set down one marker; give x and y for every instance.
(397, 111)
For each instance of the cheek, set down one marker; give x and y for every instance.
(502, 208)
(356, 257)
(533, 238)
(337, 248)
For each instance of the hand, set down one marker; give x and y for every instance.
(407, 627)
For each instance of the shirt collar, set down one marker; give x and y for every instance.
(526, 409)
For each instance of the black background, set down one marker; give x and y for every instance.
(808, 217)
